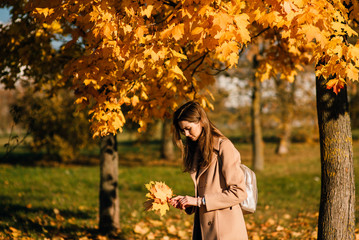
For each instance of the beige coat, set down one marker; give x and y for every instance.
(222, 184)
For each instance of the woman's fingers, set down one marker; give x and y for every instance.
(182, 202)
(177, 198)
(188, 201)
(175, 202)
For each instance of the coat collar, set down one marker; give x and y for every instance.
(216, 142)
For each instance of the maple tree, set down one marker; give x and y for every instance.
(155, 53)
(154, 58)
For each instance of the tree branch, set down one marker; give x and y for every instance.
(9, 148)
(189, 64)
(258, 34)
(170, 3)
(199, 64)
(218, 71)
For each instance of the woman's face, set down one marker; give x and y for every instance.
(191, 130)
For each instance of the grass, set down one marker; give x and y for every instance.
(62, 202)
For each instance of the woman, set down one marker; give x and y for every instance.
(214, 165)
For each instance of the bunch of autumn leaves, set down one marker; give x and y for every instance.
(157, 197)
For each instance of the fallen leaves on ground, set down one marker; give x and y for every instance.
(283, 227)
(174, 226)
(165, 229)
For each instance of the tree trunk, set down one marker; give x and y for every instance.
(257, 139)
(109, 195)
(167, 150)
(337, 201)
(284, 139)
(286, 102)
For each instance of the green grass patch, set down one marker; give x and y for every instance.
(62, 202)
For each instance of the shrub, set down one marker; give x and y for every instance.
(55, 126)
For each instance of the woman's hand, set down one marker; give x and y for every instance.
(181, 202)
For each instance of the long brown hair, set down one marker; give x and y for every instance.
(193, 112)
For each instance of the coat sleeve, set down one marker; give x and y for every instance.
(235, 190)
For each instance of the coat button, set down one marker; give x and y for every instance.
(209, 223)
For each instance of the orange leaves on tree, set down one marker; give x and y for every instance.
(242, 21)
(288, 7)
(178, 31)
(44, 11)
(156, 59)
(313, 32)
(157, 51)
(158, 196)
(352, 72)
(197, 30)
(227, 52)
(147, 11)
(336, 85)
(222, 21)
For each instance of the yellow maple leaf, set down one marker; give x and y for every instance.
(353, 53)
(89, 81)
(107, 31)
(147, 11)
(44, 11)
(227, 48)
(80, 100)
(157, 197)
(241, 20)
(176, 72)
(55, 27)
(177, 54)
(288, 7)
(222, 20)
(313, 32)
(135, 100)
(197, 30)
(352, 72)
(232, 59)
(178, 31)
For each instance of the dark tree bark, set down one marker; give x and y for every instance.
(167, 149)
(109, 193)
(337, 201)
(257, 139)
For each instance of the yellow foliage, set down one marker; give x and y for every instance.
(45, 12)
(54, 27)
(149, 56)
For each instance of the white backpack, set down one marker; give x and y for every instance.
(250, 204)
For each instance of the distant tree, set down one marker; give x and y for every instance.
(167, 147)
(53, 123)
(286, 102)
(354, 107)
(6, 99)
(257, 136)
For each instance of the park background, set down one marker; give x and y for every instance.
(49, 172)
